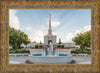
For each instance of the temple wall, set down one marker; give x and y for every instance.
(70, 45)
(47, 38)
(36, 51)
(64, 51)
(40, 51)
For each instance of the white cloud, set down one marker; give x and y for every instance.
(26, 28)
(13, 19)
(35, 34)
(55, 23)
(72, 35)
(54, 33)
(38, 35)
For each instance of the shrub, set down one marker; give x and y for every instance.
(72, 51)
(76, 52)
(18, 51)
(81, 51)
(89, 52)
(59, 46)
(36, 46)
(62, 46)
(41, 46)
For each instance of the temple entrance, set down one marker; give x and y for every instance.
(49, 41)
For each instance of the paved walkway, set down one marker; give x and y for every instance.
(82, 59)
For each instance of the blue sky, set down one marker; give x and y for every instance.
(66, 23)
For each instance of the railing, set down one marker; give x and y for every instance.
(19, 54)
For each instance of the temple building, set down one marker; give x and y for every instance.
(51, 38)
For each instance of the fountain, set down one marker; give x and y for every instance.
(50, 57)
(49, 53)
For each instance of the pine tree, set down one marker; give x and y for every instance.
(59, 40)
(40, 42)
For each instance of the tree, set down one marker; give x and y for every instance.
(17, 37)
(59, 40)
(40, 42)
(34, 41)
(83, 39)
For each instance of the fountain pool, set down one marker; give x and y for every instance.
(61, 58)
(48, 55)
(52, 56)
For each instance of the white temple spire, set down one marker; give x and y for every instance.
(50, 21)
(49, 31)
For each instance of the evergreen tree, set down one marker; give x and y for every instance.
(40, 42)
(59, 40)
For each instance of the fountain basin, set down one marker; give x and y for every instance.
(51, 59)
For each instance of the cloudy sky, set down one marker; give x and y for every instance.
(66, 23)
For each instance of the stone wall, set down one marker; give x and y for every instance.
(64, 51)
(40, 51)
(36, 51)
(72, 45)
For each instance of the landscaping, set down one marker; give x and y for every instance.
(77, 51)
(18, 51)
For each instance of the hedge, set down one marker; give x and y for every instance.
(77, 51)
(18, 51)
